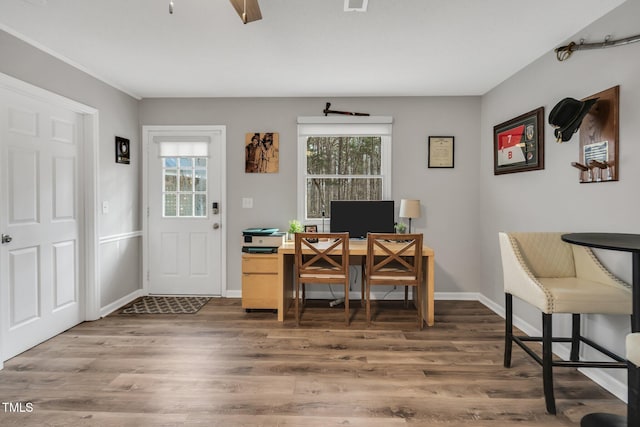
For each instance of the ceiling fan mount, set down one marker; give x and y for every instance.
(248, 10)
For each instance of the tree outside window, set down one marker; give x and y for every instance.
(342, 168)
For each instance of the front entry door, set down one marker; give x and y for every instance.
(40, 220)
(185, 189)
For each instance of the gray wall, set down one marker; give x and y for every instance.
(449, 196)
(552, 199)
(118, 184)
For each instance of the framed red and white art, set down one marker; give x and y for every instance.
(518, 144)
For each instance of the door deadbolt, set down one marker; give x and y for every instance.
(6, 238)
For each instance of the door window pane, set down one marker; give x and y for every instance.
(201, 180)
(169, 205)
(184, 187)
(186, 180)
(170, 180)
(186, 204)
(200, 205)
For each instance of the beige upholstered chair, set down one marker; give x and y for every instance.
(556, 277)
(393, 259)
(321, 258)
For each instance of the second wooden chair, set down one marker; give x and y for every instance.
(394, 259)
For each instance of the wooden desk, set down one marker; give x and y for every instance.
(357, 250)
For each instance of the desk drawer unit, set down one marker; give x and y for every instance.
(260, 281)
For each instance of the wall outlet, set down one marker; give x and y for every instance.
(247, 202)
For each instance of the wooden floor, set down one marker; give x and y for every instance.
(225, 367)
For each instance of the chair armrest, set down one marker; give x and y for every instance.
(589, 267)
(518, 279)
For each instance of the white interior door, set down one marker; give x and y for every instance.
(41, 197)
(185, 180)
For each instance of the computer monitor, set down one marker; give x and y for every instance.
(359, 217)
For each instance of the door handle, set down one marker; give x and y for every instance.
(6, 239)
(216, 225)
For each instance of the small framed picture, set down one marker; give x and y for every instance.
(122, 150)
(441, 151)
(311, 229)
(262, 152)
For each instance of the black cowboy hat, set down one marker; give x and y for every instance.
(567, 116)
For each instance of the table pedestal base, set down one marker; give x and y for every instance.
(603, 420)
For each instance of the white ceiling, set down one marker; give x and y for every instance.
(300, 47)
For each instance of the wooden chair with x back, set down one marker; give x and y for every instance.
(394, 259)
(321, 258)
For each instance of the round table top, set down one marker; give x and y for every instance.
(614, 241)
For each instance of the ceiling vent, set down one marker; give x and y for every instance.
(355, 5)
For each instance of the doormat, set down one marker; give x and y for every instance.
(165, 305)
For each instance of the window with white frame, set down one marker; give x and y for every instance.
(342, 158)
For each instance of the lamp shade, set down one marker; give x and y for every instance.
(409, 208)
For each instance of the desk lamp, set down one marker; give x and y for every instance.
(409, 209)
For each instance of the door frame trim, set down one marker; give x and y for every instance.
(89, 157)
(147, 130)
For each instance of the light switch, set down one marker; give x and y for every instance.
(247, 202)
(105, 207)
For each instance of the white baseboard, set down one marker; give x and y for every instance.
(457, 296)
(108, 309)
(234, 294)
(612, 385)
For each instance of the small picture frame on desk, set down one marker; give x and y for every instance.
(441, 151)
(311, 229)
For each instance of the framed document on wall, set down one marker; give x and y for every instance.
(440, 152)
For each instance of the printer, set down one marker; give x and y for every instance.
(262, 240)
